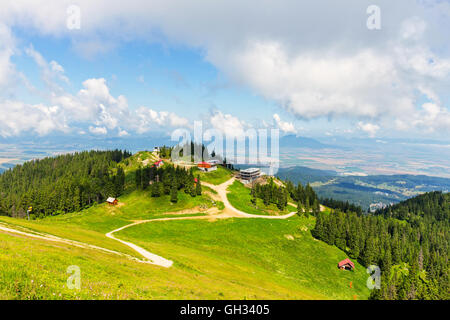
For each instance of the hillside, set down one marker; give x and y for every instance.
(365, 190)
(210, 260)
(409, 242)
(216, 253)
(61, 184)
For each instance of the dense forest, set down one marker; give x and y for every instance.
(341, 205)
(305, 197)
(409, 241)
(167, 180)
(61, 184)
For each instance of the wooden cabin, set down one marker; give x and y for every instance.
(112, 201)
(346, 264)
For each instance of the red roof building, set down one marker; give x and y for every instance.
(158, 163)
(346, 264)
(207, 166)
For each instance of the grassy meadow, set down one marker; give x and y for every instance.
(231, 258)
(219, 259)
(215, 177)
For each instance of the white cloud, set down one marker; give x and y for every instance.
(98, 130)
(369, 128)
(228, 124)
(287, 127)
(7, 48)
(147, 119)
(123, 133)
(317, 59)
(50, 71)
(17, 117)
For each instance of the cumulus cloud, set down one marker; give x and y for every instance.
(16, 117)
(228, 124)
(98, 130)
(148, 119)
(287, 127)
(123, 133)
(93, 105)
(317, 59)
(369, 128)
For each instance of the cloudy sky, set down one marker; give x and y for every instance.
(312, 68)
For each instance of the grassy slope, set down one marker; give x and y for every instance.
(240, 198)
(232, 259)
(90, 225)
(255, 254)
(225, 259)
(216, 177)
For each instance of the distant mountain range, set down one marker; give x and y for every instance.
(293, 141)
(364, 190)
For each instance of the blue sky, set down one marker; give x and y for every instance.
(151, 67)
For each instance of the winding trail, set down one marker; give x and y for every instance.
(222, 191)
(151, 258)
(48, 237)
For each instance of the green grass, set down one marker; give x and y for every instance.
(240, 197)
(137, 159)
(90, 225)
(215, 177)
(224, 259)
(254, 253)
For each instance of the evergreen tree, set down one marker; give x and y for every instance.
(138, 178)
(174, 193)
(198, 186)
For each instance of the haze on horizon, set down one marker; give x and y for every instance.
(146, 68)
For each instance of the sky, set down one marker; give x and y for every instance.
(107, 68)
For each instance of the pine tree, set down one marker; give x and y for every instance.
(368, 254)
(174, 193)
(300, 210)
(198, 187)
(138, 178)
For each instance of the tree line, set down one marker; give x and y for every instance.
(271, 193)
(304, 196)
(167, 180)
(410, 248)
(62, 184)
(341, 205)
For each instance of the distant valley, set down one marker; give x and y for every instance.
(369, 190)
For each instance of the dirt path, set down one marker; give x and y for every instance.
(228, 212)
(151, 258)
(48, 237)
(155, 259)
(221, 190)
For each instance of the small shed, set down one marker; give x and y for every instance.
(346, 264)
(112, 201)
